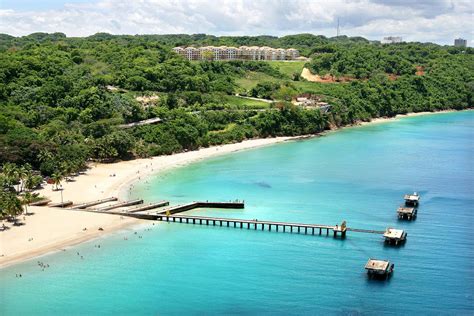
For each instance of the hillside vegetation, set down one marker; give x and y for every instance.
(62, 99)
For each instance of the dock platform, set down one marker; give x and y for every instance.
(190, 206)
(42, 202)
(379, 268)
(312, 229)
(407, 212)
(396, 236)
(412, 199)
(61, 204)
(120, 204)
(94, 203)
(147, 207)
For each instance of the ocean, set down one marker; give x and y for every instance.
(357, 174)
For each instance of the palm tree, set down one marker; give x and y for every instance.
(22, 173)
(57, 178)
(27, 199)
(10, 171)
(11, 205)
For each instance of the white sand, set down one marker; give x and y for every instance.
(399, 116)
(52, 229)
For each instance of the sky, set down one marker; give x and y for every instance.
(438, 21)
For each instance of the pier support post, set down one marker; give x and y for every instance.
(312, 231)
(220, 223)
(320, 231)
(235, 224)
(263, 226)
(248, 225)
(284, 228)
(255, 225)
(269, 227)
(327, 231)
(291, 229)
(228, 223)
(167, 218)
(214, 223)
(241, 224)
(298, 229)
(276, 227)
(180, 219)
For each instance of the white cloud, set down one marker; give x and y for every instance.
(422, 20)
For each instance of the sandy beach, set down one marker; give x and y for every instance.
(399, 116)
(52, 229)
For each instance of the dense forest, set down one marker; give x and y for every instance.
(64, 100)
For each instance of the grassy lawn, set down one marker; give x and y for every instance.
(319, 88)
(288, 67)
(251, 79)
(241, 102)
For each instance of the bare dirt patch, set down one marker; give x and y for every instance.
(420, 71)
(306, 74)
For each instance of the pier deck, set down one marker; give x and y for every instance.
(147, 207)
(407, 212)
(61, 204)
(42, 202)
(94, 203)
(412, 199)
(313, 229)
(395, 235)
(120, 204)
(379, 268)
(190, 206)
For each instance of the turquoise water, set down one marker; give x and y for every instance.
(358, 174)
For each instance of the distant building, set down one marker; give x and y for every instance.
(392, 40)
(460, 42)
(237, 53)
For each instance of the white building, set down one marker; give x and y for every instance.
(392, 40)
(234, 53)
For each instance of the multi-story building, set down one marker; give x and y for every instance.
(234, 53)
(392, 40)
(460, 42)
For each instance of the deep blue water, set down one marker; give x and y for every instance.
(358, 174)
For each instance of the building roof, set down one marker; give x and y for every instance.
(412, 197)
(406, 210)
(394, 233)
(375, 264)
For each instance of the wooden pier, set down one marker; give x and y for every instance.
(120, 204)
(407, 212)
(61, 204)
(42, 202)
(190, 206)
(311, 229)
(379, 268)
(147, 207)
(94, 203)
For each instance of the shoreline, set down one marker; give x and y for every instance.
(53, 229)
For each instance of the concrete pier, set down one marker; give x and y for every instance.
(94, 203)
(121, 204)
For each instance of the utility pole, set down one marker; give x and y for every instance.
(337, 27)
(62, 201)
